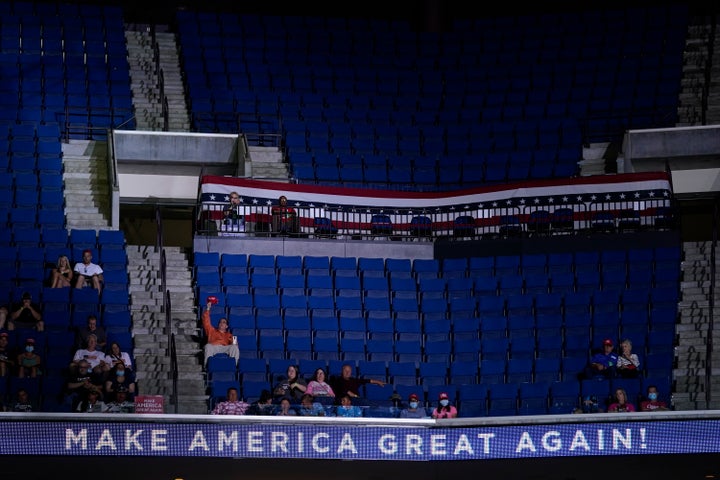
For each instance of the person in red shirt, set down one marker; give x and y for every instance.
(284, 218)
(652, 403)
(220, 338)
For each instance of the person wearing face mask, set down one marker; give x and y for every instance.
(653, 403)
(120, 377)
(413, 410)
(28, 361)
(444, 409)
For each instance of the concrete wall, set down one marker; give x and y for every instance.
(691, 153)
(314, 247)
(165, 167)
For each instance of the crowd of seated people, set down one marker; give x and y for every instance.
(294, 394)
(93, 365)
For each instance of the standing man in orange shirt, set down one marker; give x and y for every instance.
(219, 339)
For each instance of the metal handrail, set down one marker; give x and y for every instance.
(711, 309)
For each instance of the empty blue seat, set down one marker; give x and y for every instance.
(464, 226)
(533, 398)
(83, 238)
(502, 399)
(381, 224)
(473, 400)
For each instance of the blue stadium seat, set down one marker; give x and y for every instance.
(502, 399)
(534, 398)
(564, 396)
(473, 400)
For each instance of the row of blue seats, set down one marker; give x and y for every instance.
(656, 345)
(100, 242)
(564, 261)
(498, 367)
(436, 304)
(637, 286)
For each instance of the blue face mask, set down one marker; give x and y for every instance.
(120, 373)
(413, 404)
(29, 348)
(444, 403)
(652, 396)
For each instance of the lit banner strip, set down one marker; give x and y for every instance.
(347, 441)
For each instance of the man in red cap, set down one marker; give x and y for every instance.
(414, 409)
(88, 273)
(219, 339)
(603, 364)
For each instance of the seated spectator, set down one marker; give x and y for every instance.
(284, 218)
(95, 358)
(220, 339)
(82, 381)
(88, 273)
(318, 387)
(118, 377)
(603, 364)
(443, 408)
(91, 327)
(231, 405)
(292, 386)
(652, 402)
(29, 362)
(7, 355)
(589, 404)
(62, 273)
(22, 402)
(120, 402)
(347, 409)
(92, 403)
(347, 384)
(414, 409)
(285, 409)
(4, 313)
(116, 356)
(26, 314)
(628, 363)
(263, 406)
(620, 402)
(310, 408)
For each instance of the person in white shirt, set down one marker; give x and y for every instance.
(116, 355)
(96, 358)
(88, 273)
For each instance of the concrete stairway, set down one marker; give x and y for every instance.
(266, 163)
(693, 332)
(694, 85)
(87, 206)
(145, 68)
(87, 192)
(151, 331)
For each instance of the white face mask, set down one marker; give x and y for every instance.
(413, 404)
(444, 403)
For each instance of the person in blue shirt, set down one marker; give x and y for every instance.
(310, 408)
(347, 409)
(414, 409)
(603, 364)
